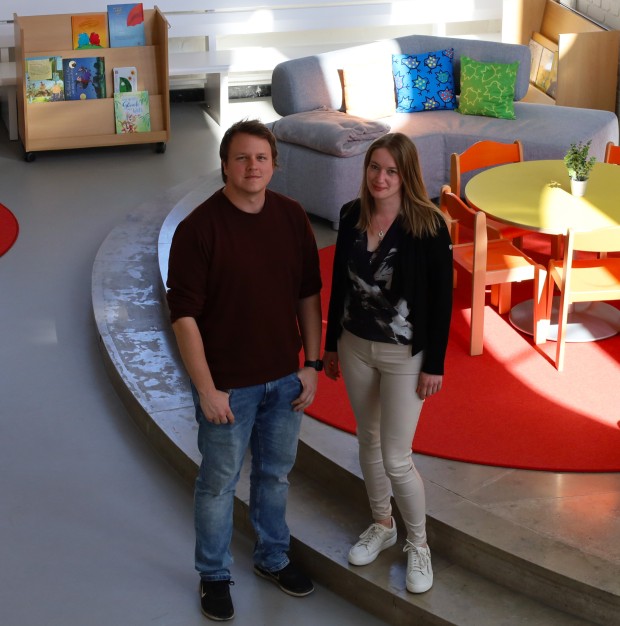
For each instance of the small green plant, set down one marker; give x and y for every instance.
(578, 161)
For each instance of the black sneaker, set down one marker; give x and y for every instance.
(215, 600)
(289, 579)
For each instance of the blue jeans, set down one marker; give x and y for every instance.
(264, 420)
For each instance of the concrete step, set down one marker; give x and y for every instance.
(488, 570)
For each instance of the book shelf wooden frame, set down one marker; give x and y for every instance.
(588, 54)
(90, 123)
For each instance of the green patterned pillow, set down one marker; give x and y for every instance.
(488, 88)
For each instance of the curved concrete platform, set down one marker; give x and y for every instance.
(509, 546)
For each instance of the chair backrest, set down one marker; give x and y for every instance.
(584, 280)
(612, 153)
(459, 214)
(600, 240)
(604, 285)
(480, 155)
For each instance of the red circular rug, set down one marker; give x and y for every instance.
(9, 229)
(508, 407)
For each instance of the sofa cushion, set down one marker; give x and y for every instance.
(488, 88)
(424, 82)
(329, 131)
(368, 89)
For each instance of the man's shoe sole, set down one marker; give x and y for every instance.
(269, 576)
(215, 618)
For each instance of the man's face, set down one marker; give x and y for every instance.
(249, 167)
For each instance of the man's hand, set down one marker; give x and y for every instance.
(216, 408)
(309, 380)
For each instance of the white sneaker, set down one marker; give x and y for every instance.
(419, 569)
(372, 541)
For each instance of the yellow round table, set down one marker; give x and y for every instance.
(535, 195)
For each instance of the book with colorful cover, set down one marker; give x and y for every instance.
(553, 77)
(131, 112)
(44, 79)
(126, 25)
(536, 50)
(125, 79)
(84, 78)
(546, 76)
(90, 30)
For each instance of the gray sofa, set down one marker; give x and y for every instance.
(323, 182)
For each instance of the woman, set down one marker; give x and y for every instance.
(388, 324)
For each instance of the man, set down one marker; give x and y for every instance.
(243, 292)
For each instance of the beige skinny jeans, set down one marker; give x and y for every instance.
(381, 381)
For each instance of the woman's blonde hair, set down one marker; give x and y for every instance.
(418, 213)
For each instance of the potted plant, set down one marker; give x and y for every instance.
(579, 164)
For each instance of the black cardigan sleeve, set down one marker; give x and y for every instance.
(439, 286)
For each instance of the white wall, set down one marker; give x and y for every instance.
(606, 12)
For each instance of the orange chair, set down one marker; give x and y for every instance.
(490, 262)
(481, 155)
(582, 280)
(612, 153)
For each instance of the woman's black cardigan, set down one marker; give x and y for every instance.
(423, 274)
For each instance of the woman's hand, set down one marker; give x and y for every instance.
(330, 365)
(428, 384)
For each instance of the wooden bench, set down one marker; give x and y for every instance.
(200, 38)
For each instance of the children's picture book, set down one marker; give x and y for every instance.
(553, 77)
(546, 76)
(90, 30)
(126, 25)
(536, 50)
(84, 78)
(125, 79)
(44, 79)
(131, 112)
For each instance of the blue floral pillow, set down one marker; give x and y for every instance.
(424, 82)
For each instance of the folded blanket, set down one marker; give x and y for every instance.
(330, 131)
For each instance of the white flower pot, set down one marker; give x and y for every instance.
(578, 187)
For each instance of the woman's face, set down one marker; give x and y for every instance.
(382, 176)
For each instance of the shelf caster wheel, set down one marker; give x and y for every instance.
(29, 157)
(161, 147)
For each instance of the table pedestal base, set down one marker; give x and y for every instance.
(587, 321)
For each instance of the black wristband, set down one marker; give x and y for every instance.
(317, 365)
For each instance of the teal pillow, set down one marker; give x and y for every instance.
(424, 82)
(488, 88)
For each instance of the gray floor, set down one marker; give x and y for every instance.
(94, 528)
